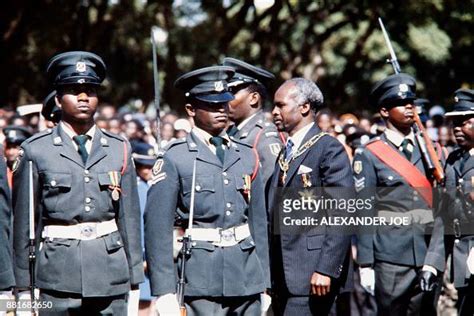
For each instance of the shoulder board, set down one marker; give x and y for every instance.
(110, 134)
(241, 143)
(372, 140)
(39, 135)
(174, 143)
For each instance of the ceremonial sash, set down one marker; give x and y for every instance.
(404, 168)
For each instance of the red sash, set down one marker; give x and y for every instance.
(403, 167)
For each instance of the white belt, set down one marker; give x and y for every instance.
(417, 216)
(221, 237)
(82, 231)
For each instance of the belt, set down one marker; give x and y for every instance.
(417, 216)
(221, 237)
(81, 231)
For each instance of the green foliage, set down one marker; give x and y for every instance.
(336, 43)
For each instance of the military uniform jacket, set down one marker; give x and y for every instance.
(455, 207)
(220, 202)
(269, 143)
(7, 279)
(403, 245)
(326, 252)
(69, 192)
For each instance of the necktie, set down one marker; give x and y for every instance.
(289, 149)
(407, 148)
(218, 142)
(232, 130)
(81, 144)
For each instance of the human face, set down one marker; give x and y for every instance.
(78, 103)
(243, 105)
(400, 115)
(11, 152)
(212, 118)
(464, 131)
(288, 115)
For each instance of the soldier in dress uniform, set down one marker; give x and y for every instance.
(454, 227)
(228, 267)
(249, 86)
(85, 200)
(391, 257)
(14, 136)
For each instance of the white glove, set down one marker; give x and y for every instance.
(470, 261)
(167, 305)
(133, 302)
(6, 295)
(24, 296)
(367, 280)
(265, 302)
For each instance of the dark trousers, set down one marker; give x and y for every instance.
(74, 304)
(397, 291)
(221, 306)
(465, 304)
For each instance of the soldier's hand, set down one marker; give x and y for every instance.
(167, 305)
(367, 279)
(427, 279)
(320, 284)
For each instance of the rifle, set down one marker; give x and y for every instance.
(427, 150)
(156, 85)
(187, 246)
(32, 246)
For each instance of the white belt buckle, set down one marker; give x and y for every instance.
(227, 237)
(89, 232)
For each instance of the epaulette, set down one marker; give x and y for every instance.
(359, 150)
(242, 143)
(173, 143)
(39, 135)
(373, 140)
(113, 135)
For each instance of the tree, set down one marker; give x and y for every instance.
(336, 43)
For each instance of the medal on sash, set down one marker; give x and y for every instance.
(247, 186)
(115, 185)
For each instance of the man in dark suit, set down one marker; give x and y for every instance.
(228, 267)
(249, 86)
(391, 257)
(309, 268)
(85, 200)
(454, 229)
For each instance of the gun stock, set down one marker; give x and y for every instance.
(432, 158)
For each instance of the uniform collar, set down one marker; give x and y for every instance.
(244, 122)
(205, 136)
(298, 137)
(69, 132)
(396, 138)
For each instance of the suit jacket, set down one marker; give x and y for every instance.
(456, 206)
(7, 279)
(326, 252)
(220, 202)
(69, 192)
(268, 146)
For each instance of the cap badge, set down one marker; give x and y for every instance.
(218, 86)
(81, 81)
(80, 66)
(456, 99)
(403, 87)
